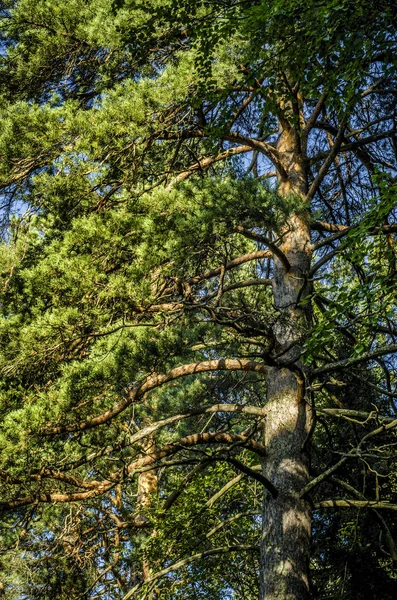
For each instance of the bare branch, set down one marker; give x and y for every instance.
(323, 261)
(355, 504)
(323, 476)
(328, 161)
(312, 119)
(224, 489)
(341, 364)
(343, 413)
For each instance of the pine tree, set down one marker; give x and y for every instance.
(198, 299)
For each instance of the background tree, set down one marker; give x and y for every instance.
(198, 299)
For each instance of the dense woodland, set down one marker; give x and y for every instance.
(198, 270)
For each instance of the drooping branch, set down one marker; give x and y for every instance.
(154, 381)
(136, 466)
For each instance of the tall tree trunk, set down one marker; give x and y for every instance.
(147, 488)
(285, 547)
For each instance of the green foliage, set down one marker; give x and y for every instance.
(125, 211)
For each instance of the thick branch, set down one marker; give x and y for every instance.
(227, 408)
(154, 381)
(194, 440)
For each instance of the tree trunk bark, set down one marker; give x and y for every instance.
(147, 488)
(285, 546)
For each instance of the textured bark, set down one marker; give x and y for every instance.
(285, 547)
(147, 488)
(286, 519)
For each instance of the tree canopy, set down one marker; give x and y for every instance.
(198, 299)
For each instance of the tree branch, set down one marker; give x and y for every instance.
(355, 504)
(328, 161)
(224, 489)
(312, 120)
(264, 147)
(188, 560)
(204, 162)
(353, 145)
(323, 476)
(264, 240)
(341, 364)
(134, 467)
(255, 475)
(345, 413)
(322, 261)
(154, 381)
(236, 262)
